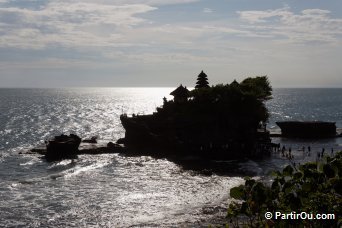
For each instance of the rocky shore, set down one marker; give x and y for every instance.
(85, 148)
(194, 163)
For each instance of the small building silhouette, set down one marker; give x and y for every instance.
(235, 83)
(181, 94)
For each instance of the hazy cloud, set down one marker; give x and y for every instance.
(67, 24)
(311, 25)
(207, 10)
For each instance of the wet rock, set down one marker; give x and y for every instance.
(62, 147)
(113, 145)
(121, 141)
(91, 140)
(38, 150)
(65, 147)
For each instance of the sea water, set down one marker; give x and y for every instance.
(117, 191)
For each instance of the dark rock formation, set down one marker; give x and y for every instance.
(91, 140)
(109, 149)
(62, 147)
(58, 150)
(307, 129)
(121, 141)
(113, 145)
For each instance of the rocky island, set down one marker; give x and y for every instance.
(220, 122)
(216, 122)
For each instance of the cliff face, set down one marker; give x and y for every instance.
(191, 136)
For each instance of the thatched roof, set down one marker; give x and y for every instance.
(181, 91)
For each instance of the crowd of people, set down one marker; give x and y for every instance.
(286, 152)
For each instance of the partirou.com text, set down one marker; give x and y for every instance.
(298, 215)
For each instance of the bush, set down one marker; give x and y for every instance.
(314, 188)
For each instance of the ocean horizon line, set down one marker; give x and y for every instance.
(130, 87)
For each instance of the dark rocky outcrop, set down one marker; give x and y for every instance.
(113, 145)
(109, 149)
(91, 140)
(61, 147)
(307, 129)
(65, 148)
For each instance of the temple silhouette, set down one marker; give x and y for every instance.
(217, 122)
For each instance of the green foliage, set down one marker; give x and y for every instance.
(259, 87)
(313, 188)
(243, 100)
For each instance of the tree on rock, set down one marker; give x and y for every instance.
(202, 81)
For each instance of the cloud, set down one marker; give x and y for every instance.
(146, 2)
(103, 24)
(261, 16)
(67, 24)
(102, 32)
(75, 24)
(207, 10)
(46, 63)
(311, 25)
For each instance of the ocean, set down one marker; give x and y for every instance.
(117, 191)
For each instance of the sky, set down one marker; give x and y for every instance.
(103, 43)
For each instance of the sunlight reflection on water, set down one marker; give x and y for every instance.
(113, 190)
(98, 190)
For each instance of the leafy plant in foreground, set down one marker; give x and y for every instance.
(315, 188)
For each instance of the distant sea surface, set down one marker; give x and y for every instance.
(117, 191)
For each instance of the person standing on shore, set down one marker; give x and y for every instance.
(283, 151)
